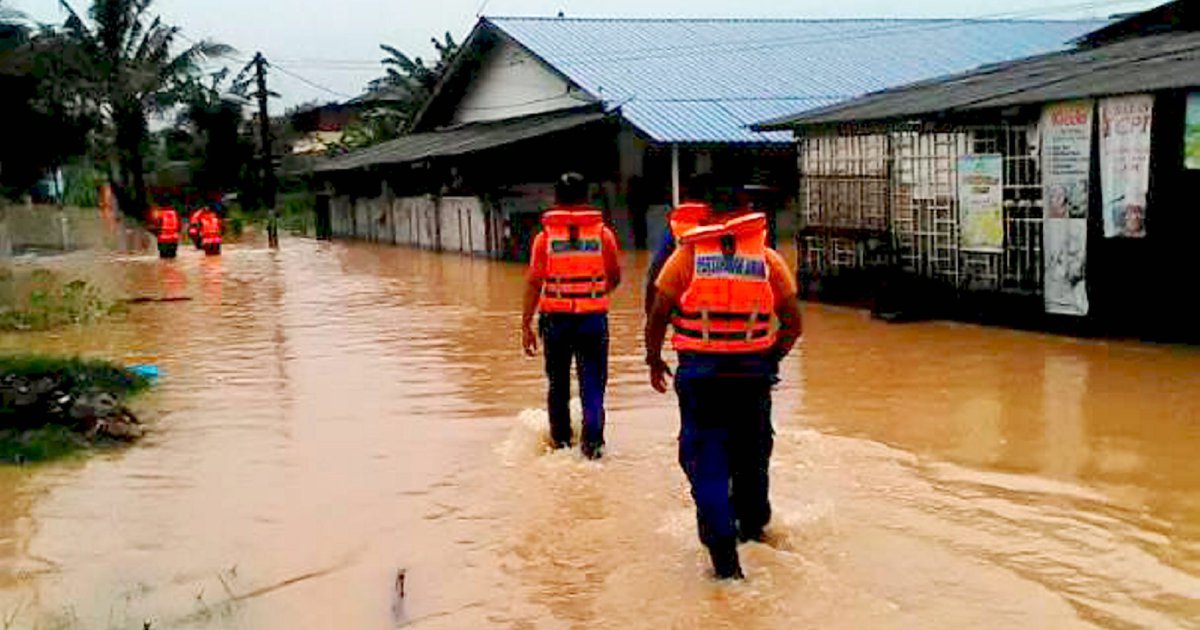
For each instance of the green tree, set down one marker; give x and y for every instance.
(413, 72)
(222, 149)
(125, 62)
(44, 125)
(392, 100)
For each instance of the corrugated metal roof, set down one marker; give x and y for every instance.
(1144, 64)
(460, 140)
(706, 80)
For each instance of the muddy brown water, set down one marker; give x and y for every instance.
(331, 414)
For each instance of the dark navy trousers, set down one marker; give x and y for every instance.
(725, 442)
(584, 339)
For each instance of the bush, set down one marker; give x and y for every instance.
(50, 304)
(51, 407)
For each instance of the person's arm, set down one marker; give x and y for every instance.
(787, 306)
(533, 294)
(790, 326)
(665, 249)
(669, 285)
(612, 260)
(656, 334)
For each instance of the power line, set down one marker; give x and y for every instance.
(310, 82)
(246, 60)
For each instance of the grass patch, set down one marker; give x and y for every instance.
(48, 303)
(74, 372)
(40, 445)
(48, 407)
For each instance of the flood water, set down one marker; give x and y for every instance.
(332, 414)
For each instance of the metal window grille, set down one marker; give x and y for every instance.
(902, 187)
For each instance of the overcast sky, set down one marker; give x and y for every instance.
(335, 43)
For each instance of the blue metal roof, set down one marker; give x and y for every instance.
(706, 80)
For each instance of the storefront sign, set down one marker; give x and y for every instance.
(1066, 135)
(1125, 163)
(981, 203)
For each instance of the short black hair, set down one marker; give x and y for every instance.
(571, 189)
(700, 187)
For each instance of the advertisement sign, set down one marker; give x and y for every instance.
(981, 202)
(1066, 134)
(1191, 133)
(1125, 163)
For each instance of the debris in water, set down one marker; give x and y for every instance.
(399, 618)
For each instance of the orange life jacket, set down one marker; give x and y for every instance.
(210, 228)
(194, 221)
(688, 216)
(576, 280)
(729, 304)
(168, 226)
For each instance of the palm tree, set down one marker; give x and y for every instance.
(130, 70)
(212, 116)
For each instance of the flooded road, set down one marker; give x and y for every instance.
(332, 414)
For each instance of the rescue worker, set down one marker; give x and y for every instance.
(696, 209)
(194, 225)
(167, 226)
(732, 303)
(574, 266)
(210, 233)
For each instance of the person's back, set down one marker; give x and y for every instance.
(720, 290)
(167, 228)
(210, 233)
(574, 267)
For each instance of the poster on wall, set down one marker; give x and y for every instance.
(981, 203)
(1064, 243)
(1066, 130)
(1191, 131)
(1125, 163)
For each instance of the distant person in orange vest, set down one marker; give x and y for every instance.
(194, 225)
(574, 266)
(723, 290)
(694, 210)
(167, 227)
(210, 233)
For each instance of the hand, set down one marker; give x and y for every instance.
(659, 371)
(529, 340)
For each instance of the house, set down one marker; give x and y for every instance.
(1053, 191)
(637, 106)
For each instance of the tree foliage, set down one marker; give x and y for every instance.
(122, 61)
(393, 99)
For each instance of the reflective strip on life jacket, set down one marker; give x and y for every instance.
(729, 304)
(576, 280)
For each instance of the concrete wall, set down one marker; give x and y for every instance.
(50, 228)
(455, 224)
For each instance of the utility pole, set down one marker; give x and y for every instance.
(268, 165)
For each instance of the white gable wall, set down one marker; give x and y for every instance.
(511, 83)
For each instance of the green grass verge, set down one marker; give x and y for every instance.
(40, 445)
(74, 372)
(32, 439)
